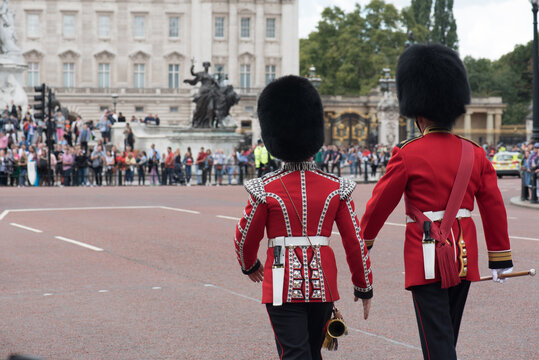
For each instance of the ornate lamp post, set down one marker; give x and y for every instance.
(315, 79)
(114, 101)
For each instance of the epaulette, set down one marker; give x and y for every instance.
(255, 187)
(346, 187)
(406, 142)
(473, 142)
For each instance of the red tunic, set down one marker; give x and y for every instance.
(424, 169)
(321, 199)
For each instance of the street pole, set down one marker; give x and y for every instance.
(535, 131)
(50, 178)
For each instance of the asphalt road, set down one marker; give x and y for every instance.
(150, 273)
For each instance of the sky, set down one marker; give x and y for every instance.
(486, 28)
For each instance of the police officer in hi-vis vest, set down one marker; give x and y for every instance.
(440, 175)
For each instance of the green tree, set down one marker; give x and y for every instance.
(421, 11)
(444, 28)
(349, 50)
(509, 77)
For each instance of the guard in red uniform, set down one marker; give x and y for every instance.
(432, 88)
(297, 206)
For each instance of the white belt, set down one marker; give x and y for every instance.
(439, 215)
(294, 241)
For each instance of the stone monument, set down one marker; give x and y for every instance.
(388, 112)
(213, 101)
(12, 64)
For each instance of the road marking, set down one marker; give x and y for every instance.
(3, 215)
(512, 218)
(395, 224)
(180, 210)
(156, 288)
(26, 228)
(523, 238)
(103, 291)
(336, 233)
(88, 246)
(410, 346)
(228, 217)
(351, 328)
(232, 292)
(47, 294)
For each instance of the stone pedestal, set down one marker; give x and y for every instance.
(388, 120)
(11, 82)
(225, 139)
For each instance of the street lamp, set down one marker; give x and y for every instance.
(114, 101)
(315, 79)
(535, 131)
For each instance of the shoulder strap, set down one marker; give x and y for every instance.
(455, 198)
(459, 188)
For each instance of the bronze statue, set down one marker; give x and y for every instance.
(213, 101)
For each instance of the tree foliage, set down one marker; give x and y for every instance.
(349, 50)
(509, 77)
(444, 28)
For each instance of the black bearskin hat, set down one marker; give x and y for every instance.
(291, 118)
(432, 83)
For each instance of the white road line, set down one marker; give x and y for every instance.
(228, 217)
(3, 215)
(354, 329)
(47, 294)
(410, 346)
(512, 218)
(85, 208)
(232, 292)
(103, 291)
(180, 210)
(522, 238)
(26, 228)
(336, 233)
(91, 247)
(156, 288)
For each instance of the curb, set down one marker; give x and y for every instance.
(516, 201)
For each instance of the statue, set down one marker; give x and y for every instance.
(8, 38)
(213, 101)
(10, 90)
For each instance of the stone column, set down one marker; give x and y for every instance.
(490, 128)
(497, 125)
(388, 118)
(289, 38)
(233, 74)
(260, 37)
(468, 125)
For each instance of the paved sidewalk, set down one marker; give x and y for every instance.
(516, 201)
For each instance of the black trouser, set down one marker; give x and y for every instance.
(438, 313)
(299, 329)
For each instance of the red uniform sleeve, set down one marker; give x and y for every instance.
(355, 248)
(494, 218)
(249, 233)
(385, 197)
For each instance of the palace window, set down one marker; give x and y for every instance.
(270, 28)
(69, 26)
(173, 76)
(69, 75)
(32, 25)
(270, 73)
(103, 73)
(245, 28)
(104, 26)
(33, 74)
(219, 27)
(245, 76)
(174, 27)
(138, 26)
(139, 74)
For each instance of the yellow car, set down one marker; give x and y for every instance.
(507, 163)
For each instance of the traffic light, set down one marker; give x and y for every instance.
(40, 98)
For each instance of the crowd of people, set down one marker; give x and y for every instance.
(529, 168)
(80, 157)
